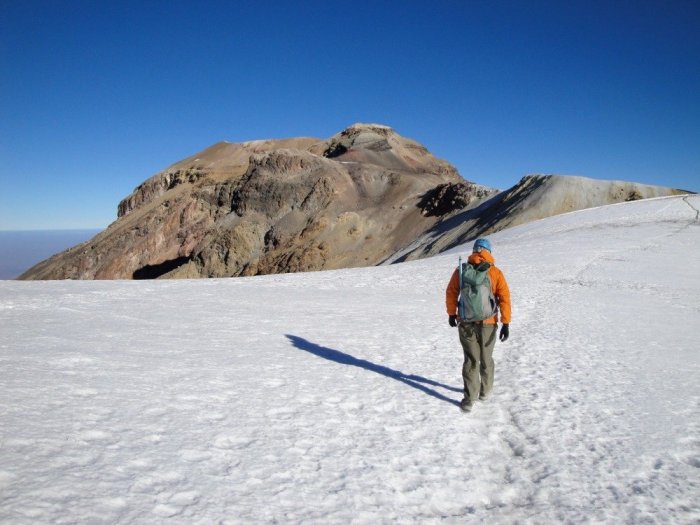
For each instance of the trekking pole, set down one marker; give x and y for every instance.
(460, 311)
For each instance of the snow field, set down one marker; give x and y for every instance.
(331, 397)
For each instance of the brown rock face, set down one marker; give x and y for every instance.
(273, 206)
(363, 197)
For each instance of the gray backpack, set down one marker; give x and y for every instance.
(476, 300)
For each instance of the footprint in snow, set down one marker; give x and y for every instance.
(166, 511)
(213, 416)
(195, 456)
(225, 442)
(96, 435)
(185, 499)
(85, 392)
(282, 412)
(176, 504)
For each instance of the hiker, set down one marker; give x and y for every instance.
(477, 332)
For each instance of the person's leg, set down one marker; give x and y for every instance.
(469, 336)
(487, 366)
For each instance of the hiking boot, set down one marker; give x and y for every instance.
(484, 397)
(466, 405)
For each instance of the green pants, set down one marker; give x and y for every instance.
(477, 341)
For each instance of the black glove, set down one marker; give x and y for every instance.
(503, 336)
(453, 320)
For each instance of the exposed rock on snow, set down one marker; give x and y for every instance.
(448, 198)
(534, 197)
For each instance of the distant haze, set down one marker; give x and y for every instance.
(20, 250)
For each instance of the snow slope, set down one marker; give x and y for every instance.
(332, 397)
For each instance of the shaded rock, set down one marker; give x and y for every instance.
(447, 198)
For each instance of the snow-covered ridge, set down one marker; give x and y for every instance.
(330, 397)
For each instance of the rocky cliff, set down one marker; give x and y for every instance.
(274, 206)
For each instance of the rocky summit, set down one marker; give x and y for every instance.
(363, 197)
(274, 206)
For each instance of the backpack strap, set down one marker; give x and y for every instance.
(460, 308)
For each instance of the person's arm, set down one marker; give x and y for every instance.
(503, 298)
(452, 294)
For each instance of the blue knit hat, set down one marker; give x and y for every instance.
(482, 244)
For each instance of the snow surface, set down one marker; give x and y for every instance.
(331, 397)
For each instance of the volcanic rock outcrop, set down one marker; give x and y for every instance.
(274, 206)
(363, 197)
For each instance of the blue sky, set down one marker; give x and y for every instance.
(96, 97)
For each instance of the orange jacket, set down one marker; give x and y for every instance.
(499, 286)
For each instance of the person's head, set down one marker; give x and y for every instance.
(481, 244)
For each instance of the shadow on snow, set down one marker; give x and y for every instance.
(337, 356)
